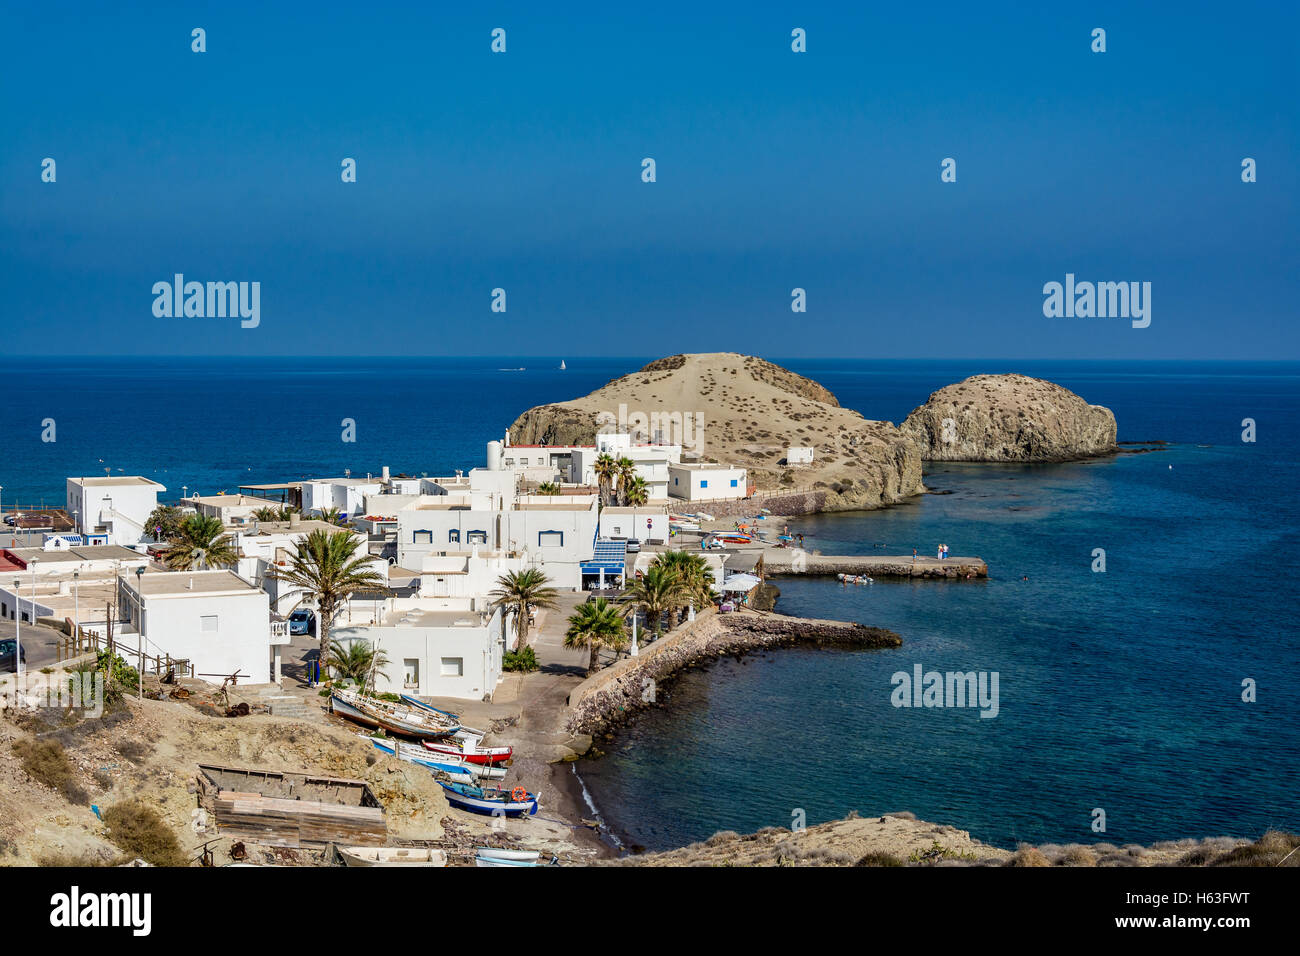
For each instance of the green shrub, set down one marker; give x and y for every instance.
(524, 661)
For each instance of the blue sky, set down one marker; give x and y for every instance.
(775, 170)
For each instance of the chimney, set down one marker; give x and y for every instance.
(293, 519)
(386, 474)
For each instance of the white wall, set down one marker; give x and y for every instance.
(477, 649)
(172, 624)
(633, 525)
(133, 502)
(702, 484)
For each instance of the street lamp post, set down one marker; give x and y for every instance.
(139, 631)
(76, 611)
(18, 633)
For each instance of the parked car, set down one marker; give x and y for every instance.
(302, 621)
(7, 648)
(633, 544)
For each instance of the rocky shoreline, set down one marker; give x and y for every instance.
(614, 696)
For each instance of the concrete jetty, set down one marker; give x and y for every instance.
(791, 561)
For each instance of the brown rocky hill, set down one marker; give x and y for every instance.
(742, 410)
(1009, 418)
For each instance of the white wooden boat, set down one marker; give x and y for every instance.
(392, 856)
(458, 770)
(393, 718)
(501, 854)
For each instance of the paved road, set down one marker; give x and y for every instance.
(40, 643)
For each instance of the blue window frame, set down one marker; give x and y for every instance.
(476, 537)
(550, 539)
(734, 482)
(428, 537)
(704, 483)
(454, 535)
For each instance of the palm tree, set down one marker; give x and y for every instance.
(636, 493)
(659, 590)
(694, 574)
(606, 469)
(325, 567)
(358, 660)
(201, 544)
(330, 515)
(272, 513)
(626, 471)
(548, 488)
(595, 624)
(518, 592)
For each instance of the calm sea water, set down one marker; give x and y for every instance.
(1118, 690)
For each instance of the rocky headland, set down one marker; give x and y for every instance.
(1009, 418)
(745, 411)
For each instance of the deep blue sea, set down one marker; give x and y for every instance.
(1118, 690)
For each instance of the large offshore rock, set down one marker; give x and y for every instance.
(1009, 418)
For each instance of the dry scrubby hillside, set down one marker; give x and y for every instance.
(1009, 418)
(747, 411)
(147, 753)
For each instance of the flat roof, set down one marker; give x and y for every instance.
(92, 481)
(77, 554)
(706, 466)
(180, 583)
(260, 528)
(236, 500)
(281, 486)
(417, 618)
(633, 509)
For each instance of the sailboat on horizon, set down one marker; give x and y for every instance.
(562, 365)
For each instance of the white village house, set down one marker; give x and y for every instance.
(112, 510)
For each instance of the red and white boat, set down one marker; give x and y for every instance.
(467, 748)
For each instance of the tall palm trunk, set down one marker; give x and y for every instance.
(595, 656)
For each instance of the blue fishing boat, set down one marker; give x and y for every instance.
(491, 802)
(458, 770)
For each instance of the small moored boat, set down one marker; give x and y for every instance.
(393, 718)
(392, 856)
(495, 801)
(468, 749)
(458, 770)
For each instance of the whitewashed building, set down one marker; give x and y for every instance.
(230, 509)
(214, 619)
(707, 481)
(642, 522)
(436, 652)
(112, 510)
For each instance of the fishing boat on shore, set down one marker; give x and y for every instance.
(392, 856)
(854, 579)
(421, 705)
(392, 718)
(487, 856)
(458, 770)
(468, 748)
(493, 801)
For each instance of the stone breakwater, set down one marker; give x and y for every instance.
(613, 696)
(901, 566)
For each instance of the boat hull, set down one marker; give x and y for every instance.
(391, 856)
(474, 755)
(458, 770)
(390, 723)
(489, 803)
